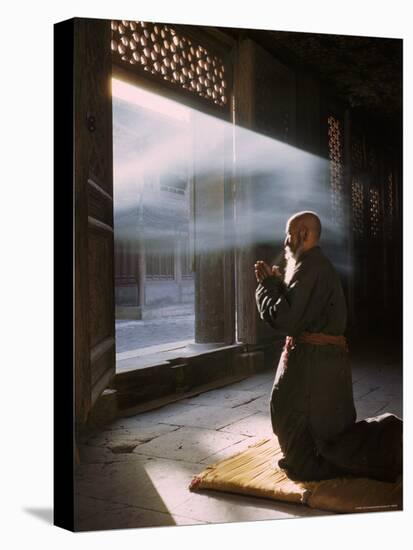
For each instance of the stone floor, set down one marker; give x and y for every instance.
(138, 334)
(136, 472)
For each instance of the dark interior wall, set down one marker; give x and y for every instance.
(375, 167)
(292, 105)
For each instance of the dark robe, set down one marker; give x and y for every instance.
(312, 406)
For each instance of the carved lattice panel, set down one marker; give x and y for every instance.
(335, 147)
(167, 54)
(374, 211)
(357, 199)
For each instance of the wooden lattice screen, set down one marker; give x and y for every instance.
(374, 211)
(163, 52)
(335, 149)
(357, 187)
(374, 198)
(357, 198)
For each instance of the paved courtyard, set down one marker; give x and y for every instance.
(131, 334)
(136, 472)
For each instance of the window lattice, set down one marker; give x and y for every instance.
(160, 260)
(336, 169)
(357, 198)
(176, 185)
(374, 211)
(161, 51)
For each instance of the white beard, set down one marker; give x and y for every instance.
(290, 266)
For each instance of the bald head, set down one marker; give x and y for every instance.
(309, 221)
(302, 232)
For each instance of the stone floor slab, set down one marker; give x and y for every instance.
(150, 483)
(224, 397)
(190, 444)
(161, 414)
(261, 382)
(131, 517)
(203, 416)
(137, 334)
(261, 404)
(86, 507)
(136, 433)
(259, 424)
(216, 507)
(101, 455)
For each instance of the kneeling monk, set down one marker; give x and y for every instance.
(312, 406)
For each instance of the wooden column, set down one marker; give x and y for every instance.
(245, 253)
(209, 243)
(141, 268)
(265, 103)
(212, 219)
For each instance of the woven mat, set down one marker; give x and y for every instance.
(253, 472)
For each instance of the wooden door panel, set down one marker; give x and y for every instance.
(94, 252)
(100, 204)
(100, 283)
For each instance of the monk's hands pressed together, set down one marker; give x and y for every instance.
(262, 270)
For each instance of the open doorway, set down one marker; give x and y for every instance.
(153, 212)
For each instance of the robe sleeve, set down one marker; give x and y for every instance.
(288, 308)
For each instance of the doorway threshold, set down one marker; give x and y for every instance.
(174, 372)
(165, 354)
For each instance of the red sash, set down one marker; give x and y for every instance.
(317, 339)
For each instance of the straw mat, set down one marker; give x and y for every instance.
(254, 472)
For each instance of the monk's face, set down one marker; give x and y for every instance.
(293, 240)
